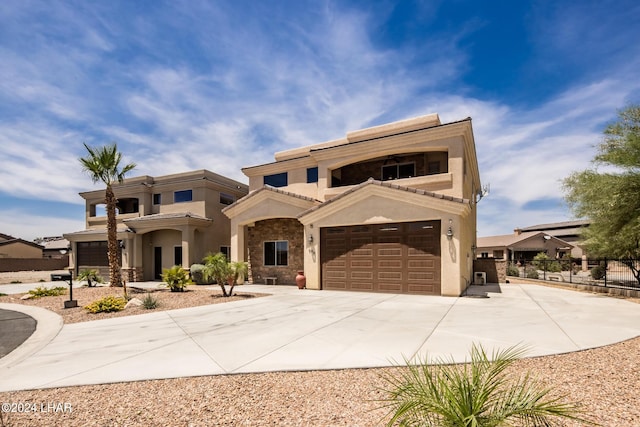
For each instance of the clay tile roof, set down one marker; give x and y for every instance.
(388, 184)
(273, 189)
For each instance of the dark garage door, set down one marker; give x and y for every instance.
(394, 258)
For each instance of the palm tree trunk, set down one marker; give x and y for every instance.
(115, 278)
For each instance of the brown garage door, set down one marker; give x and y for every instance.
(395, 258)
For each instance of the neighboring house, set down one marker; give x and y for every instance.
(390, 208)
(13, 247)
(521, 247)
(162, 221)
(569, 231)
(54, 247)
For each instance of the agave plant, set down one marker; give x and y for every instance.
(477, 394)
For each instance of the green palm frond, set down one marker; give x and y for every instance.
(476, 394)
(103, 164)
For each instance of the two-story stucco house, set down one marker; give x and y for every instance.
(162, 221)
(390, 208)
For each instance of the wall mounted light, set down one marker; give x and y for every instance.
(450, 230)
(310, 238)
(121, 244)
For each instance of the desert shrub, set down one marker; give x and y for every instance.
(2, 295)
(512, 270)
(15, 282)
(598, 272)
(481, 393)
(531, 273)
(542, 262)
(176, 278)
(41, 291)
(91, 276)
(198, 275)
(150, 302)
(41, 280)
(106, 305)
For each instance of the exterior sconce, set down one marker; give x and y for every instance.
(310, 238)
(449, 232)
(121, 244)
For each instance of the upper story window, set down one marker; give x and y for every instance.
(227, 199)
(127, 205)
(182, 196)
(277, 180)
(157, 199)
(312, 175)
(398, 171)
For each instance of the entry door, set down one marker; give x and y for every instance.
(157, 262)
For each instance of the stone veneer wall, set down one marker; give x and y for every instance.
(276, 229)
(133, 274)
(496, 269)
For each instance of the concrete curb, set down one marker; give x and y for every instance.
(48, 325)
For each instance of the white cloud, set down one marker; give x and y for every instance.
(28, 225)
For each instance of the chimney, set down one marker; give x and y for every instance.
(517, 231)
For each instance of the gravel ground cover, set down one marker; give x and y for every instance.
(606, 381)
(167, 300)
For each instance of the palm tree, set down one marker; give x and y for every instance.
(479, 394)
(103, 164)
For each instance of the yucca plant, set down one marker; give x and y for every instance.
(477, 394)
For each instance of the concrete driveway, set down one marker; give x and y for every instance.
(309, 330)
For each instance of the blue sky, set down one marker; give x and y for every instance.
(183, 85)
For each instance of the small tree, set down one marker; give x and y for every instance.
(218, 268)
(610, 198)
(103, 164)
(542, 261)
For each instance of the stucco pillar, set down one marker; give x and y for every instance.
(311, 256)
(237, 241)
(188, 241)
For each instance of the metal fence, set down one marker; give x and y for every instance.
(613, 273)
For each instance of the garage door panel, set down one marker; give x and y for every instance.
(361, 275)
(429, 263)
(390, 263)
(390, 287)
(390, 252)
(361, 286)
(395, 258)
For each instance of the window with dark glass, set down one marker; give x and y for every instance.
(276, 253)
(396, 171)
(433, 168)
(312, 175)
(157, 198)
(226, 250)
(182, 196)
(227, 199)
(277, 180)
(177, 255)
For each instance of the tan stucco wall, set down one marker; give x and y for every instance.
(19, 250)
